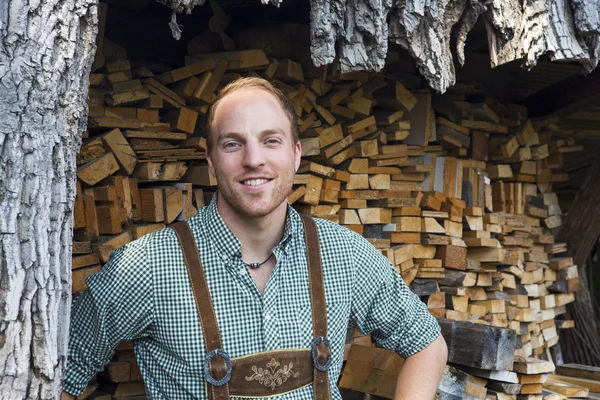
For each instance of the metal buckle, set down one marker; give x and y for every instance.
(209, 377)
(315, 342)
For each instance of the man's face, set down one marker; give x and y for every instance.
(253, 155)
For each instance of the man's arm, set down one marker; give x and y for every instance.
(421, 373)
(117, 306)
(398, 320)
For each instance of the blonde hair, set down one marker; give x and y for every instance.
(253, 83)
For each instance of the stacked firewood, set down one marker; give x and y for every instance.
(455, 190)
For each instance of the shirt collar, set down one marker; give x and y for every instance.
(228, 244)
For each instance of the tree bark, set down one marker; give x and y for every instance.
(531, 29)
(580, 230)
(46, 51)
(357, 31)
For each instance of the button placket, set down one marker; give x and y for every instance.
(270, 320)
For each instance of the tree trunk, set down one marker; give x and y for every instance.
(580, 230)
(46, 53)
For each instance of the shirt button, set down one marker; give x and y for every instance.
(268, 317)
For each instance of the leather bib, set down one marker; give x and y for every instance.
(268, 373)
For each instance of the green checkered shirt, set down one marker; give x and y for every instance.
(143, 294)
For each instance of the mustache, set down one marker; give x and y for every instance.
(255, 174)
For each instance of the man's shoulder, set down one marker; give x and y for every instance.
(332, 232)
(154, 243)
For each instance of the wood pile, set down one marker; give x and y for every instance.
(455, 190)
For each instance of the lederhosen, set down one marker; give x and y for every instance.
(268, 373)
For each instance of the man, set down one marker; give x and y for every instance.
(257, 261)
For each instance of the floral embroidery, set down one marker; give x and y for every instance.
(271, 376)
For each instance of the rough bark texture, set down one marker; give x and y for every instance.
(530, 30)
(359, 29)
(357, 32)
(587, 22)
(46, 51)
(580, 230)
(473, 10)
(424, 29)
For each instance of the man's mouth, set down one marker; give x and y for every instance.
(255, 182)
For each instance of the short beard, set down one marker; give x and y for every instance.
(240, 205)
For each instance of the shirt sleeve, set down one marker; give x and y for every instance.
(385, 307)
(117, 306)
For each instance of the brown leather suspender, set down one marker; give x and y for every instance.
(219, 367)
(208, 318)
(319, 312)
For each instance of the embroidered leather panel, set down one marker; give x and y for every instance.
(272, 376)
(271, 373)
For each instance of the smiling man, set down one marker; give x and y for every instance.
(248, 298)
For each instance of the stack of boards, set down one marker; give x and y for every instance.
(455, 190)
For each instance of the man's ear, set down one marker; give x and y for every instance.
(297, 155)
(211, 167)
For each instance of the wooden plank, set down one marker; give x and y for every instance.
(479, 346)
(94, 171)
(371, 370)
(91, 218)
(125, 123)
(160, 171)
(182, 119)
(123, 153)
(84, 261)
(125, 98)
(153, 204)
(80, 275)
(592, 385)
(244, 60)
(107, 245)
(421, 120)
(566, 388)
(185, 72)
(529, 366)
(200, 175)
(137, 231)
(579, 371)
(167, 94)
(452, 257)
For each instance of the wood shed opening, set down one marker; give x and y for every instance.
(457, 190)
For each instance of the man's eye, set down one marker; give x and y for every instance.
(231, 145)
(273, 141)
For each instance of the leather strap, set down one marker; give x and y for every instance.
(206, 312)
(317, 298)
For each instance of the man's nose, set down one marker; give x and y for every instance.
(254, 155)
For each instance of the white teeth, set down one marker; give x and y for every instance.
(255, 182)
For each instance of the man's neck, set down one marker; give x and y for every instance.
(258, 235)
